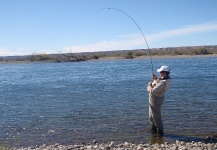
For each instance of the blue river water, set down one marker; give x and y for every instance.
(71, 103)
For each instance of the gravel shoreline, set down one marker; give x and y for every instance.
(160, 57)
(210, 143)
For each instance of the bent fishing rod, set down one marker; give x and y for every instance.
(138, 28)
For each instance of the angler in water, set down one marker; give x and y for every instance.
(156, 89)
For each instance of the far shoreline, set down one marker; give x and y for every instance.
(160, 57)
(118, 58)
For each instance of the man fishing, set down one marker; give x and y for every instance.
(157, 88)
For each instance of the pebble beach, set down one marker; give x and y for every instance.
(210, 143)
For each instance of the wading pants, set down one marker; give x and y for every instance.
(155, 111)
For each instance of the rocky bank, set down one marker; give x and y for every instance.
(210, 143)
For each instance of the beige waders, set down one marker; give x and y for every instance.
(156, 99)
(155, 104)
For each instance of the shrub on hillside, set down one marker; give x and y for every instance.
(201, 52)
(129, 55)
(137, 54)
(39, 57)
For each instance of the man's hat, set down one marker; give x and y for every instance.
(164, 68)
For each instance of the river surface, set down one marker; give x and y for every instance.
(71, 103)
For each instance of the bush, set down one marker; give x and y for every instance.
(95, 56)
(129, 55)
(136, 54)
(201, 52)
(177, 53)
(40, 57)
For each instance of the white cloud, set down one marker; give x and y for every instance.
(8, 52)
(193, 29)
(21, 52)
(103, 46)
(2, 49)
(130, 41)
(20, 49)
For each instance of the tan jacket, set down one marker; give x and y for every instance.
(160, 87)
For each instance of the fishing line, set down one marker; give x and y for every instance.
(138, 28)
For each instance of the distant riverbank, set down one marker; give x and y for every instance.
(117, 58)
(161, 57)
(167, 52)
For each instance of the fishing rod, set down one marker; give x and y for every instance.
(138, 28)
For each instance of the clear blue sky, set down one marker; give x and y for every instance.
(51, 26)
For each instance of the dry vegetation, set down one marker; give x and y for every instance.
(125, 54)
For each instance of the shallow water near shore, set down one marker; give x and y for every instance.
(79, 102)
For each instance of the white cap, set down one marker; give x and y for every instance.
(163, 68)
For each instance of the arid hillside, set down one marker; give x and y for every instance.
(125, 54)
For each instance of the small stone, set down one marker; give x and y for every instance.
(120, 145)
(145, 145)
(69, 148)
(56, 145)
(174, 147)
(89, 147)
(101, 146)
(140, 147)
(95, 146)
(162, 145)
(94, 141)
(184, 148)
(127, 144)
(182, 143)
(111, 145)
(177, 142)
(77, 146)
(44, 145)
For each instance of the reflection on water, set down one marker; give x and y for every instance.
(183, 138)
(155, 139)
